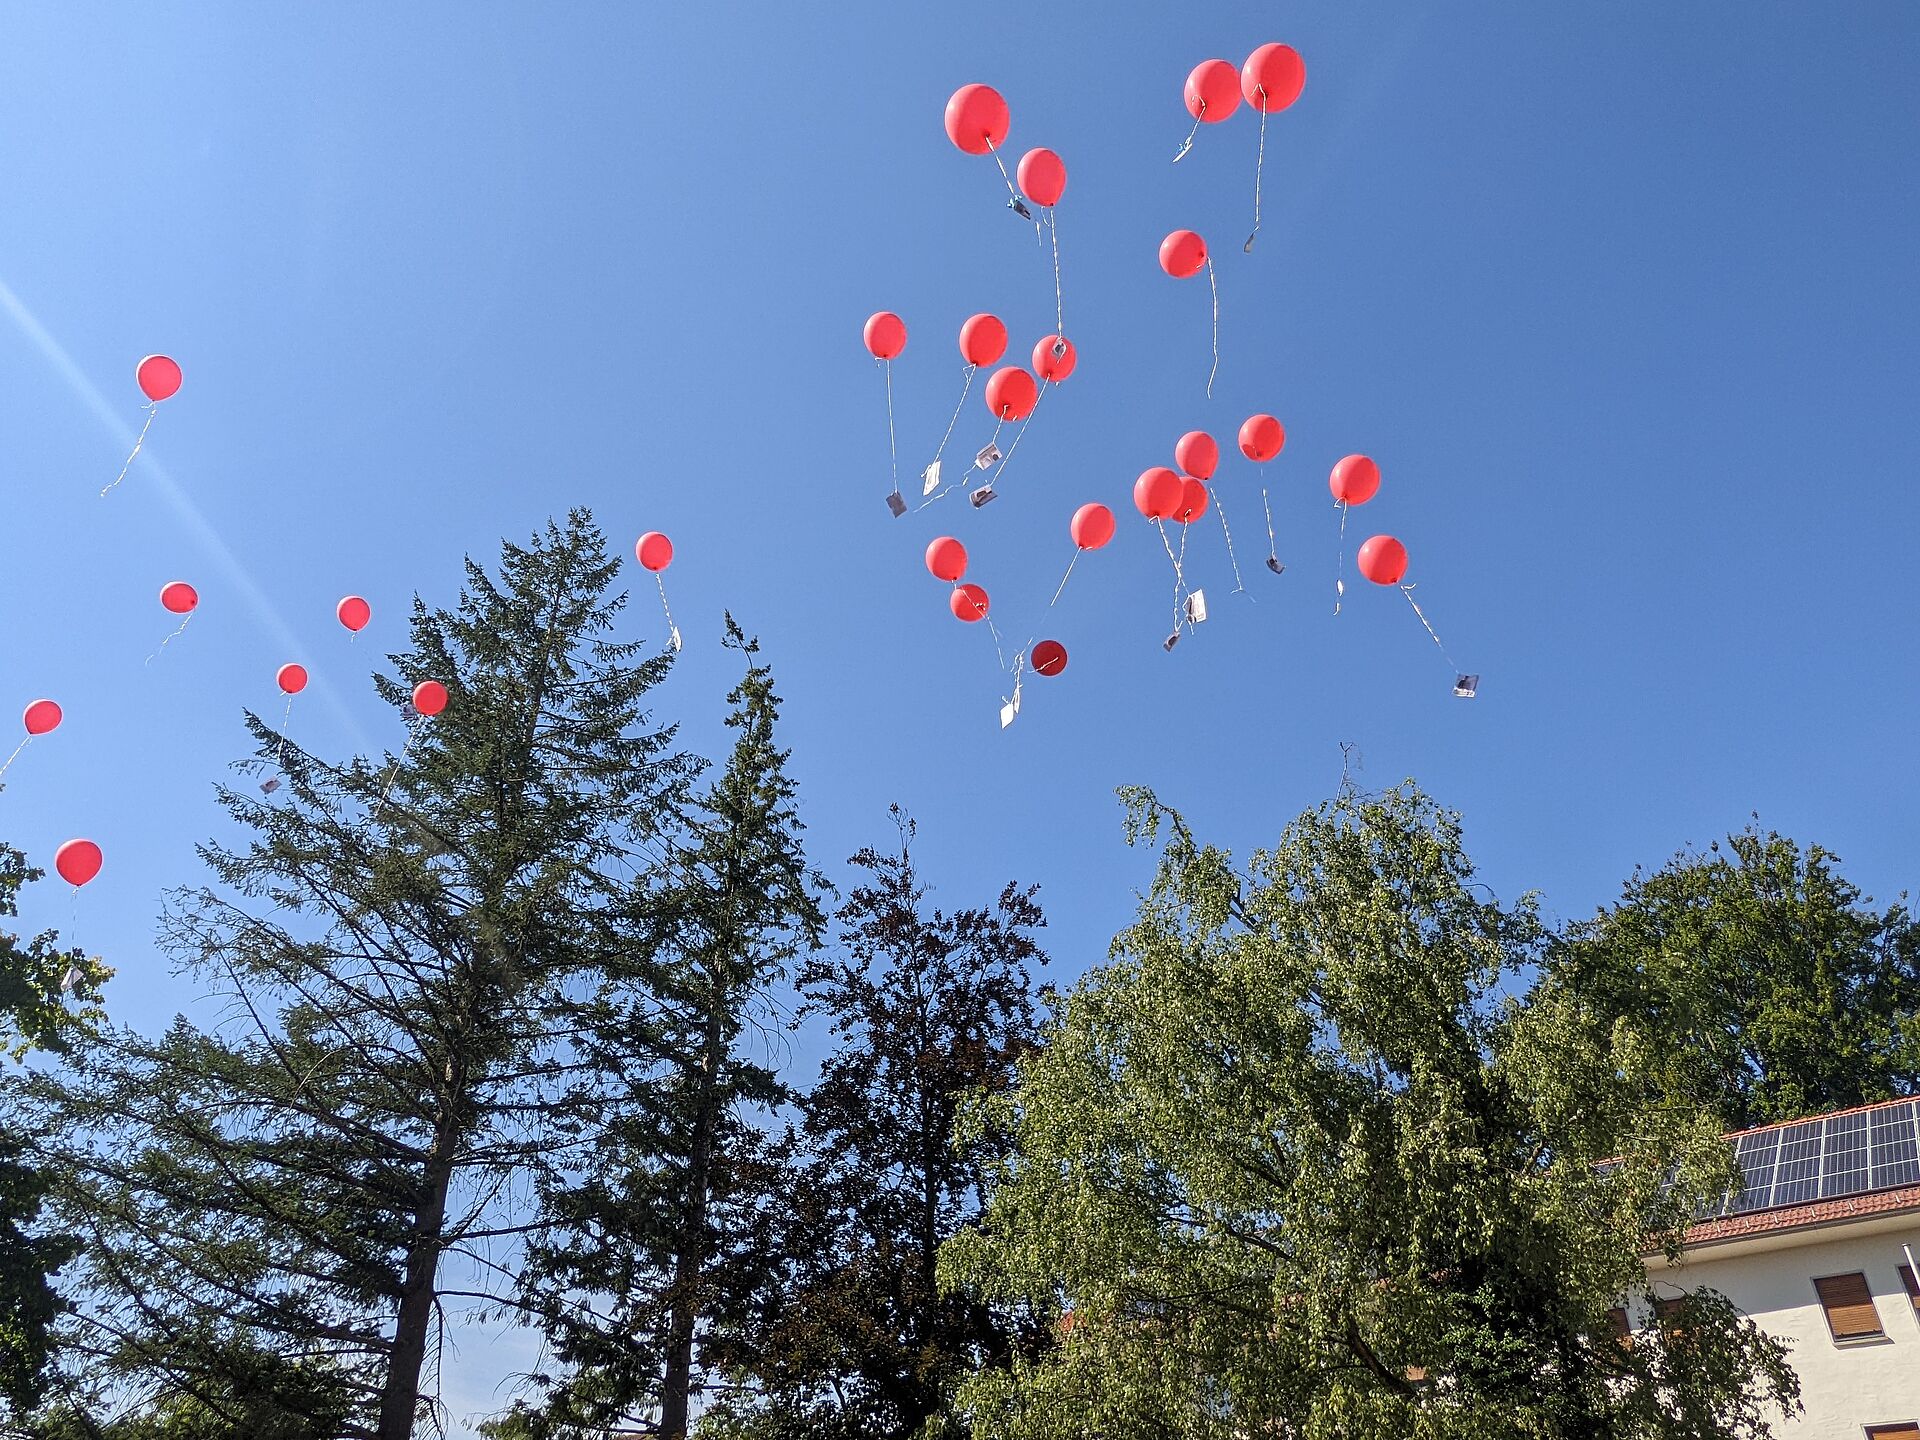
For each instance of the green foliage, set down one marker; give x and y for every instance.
(1295, 1168)
(645, 1245)
(1769, 987)
(393, 941)
(854, 1337)
(49, 999)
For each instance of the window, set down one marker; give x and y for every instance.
(1913, 1290)
(1618, 1324)
(1906, 1430)
(1849, 1306)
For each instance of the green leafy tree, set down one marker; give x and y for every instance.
(49, 999)
(1293, 1167)
(280, 1212)
(855, 1338)
(643, 1247)
(1770, 987)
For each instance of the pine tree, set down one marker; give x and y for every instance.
(279, 1212)
(854, 1338)
(49, 999)
(643, 1240)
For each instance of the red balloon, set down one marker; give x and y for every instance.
(654, 551)
(886, 334)
(1354, 480)
(78, 861)
(946, 558)
(429, 697)
(354, 612)
(1156, 494)
(1383, 560)
(1049, 657)
(1182, 254)
(1043, 176)
(1213, 91)
(159, 376)
(977, 118)
(1049, 366)
(1262, 437)
(1012, 393)
(292, 678)
(179, 597)
(983, 340)
(1091, 526)
(1197, 453)
(42, 717)
(1193, 500)
(968, 603)
(1272, 77)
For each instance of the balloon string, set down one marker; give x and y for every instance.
(1013, 194)
(965, 391)
(1050, 604)
(413, 733)
(673, 630)
(285, 716)
(1239, 585)
(1007, 460)
(1407, 590)
(1265, 505)
(999, 655)
(1340, 563)
(1178, 581)
(893, 454)
(1187, 144)
(29, 740)
(1259, 164)
(1214, 285)
(152, 410)
(1053, 230)
(170, 639)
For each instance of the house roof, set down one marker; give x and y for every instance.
(1842, 1166)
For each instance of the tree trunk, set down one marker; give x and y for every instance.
(400, 1399)
(677, 1383)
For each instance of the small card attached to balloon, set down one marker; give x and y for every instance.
(930, 478)
(982, 496)
(1171, 641)
(989, 453)
(1273, 564)
(1465, 686)
(1197, 607)
(1007, 712)
(896, 502)
(1019, 208)
(673, 637)
(267, 787)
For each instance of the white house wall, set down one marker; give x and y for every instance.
(1845, 1387)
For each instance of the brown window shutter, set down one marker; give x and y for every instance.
(1906, 1430)
(1617, 1323)
(1913, 1289)
(1849, 1306)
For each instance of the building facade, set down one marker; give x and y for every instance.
(1818, 1248)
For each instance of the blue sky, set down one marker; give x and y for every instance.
(1620, 297)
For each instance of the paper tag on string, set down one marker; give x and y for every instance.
(1197, 607)
(673, 638)
(69, 980)
(989, 453)
(267, 787)
(1019, 209)
(982, 496)
(1465, 685)
(1273, 564)
(897, 504)
(1007, 712)
(1171, 641)
(930, 478)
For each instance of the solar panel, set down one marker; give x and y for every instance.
(1796, 1176)
(1892, 1149)
(1755, 1155)
(1844, 1171)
